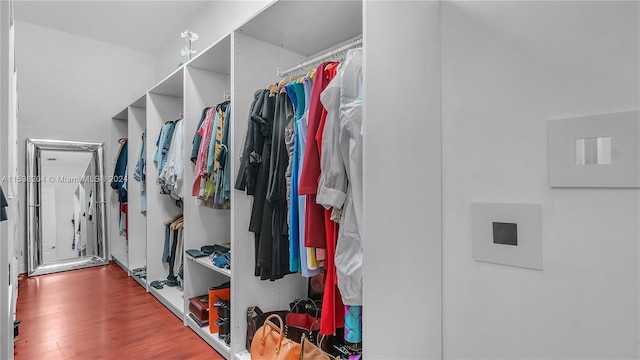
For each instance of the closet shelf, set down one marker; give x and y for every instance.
(122, 115)
(206, 262)
(244, 355)
(121, 260)
(142, 282)
(211, 339)
(172, 298)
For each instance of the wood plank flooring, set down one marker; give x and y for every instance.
(99, 313)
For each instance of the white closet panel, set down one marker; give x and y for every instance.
(118, 246)
(137, 243)
(402, 181)
(206, 83)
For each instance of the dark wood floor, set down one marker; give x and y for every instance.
(99, 313)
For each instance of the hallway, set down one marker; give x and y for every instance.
(99, 313)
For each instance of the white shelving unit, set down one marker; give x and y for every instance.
(243, 355)
(260, 49)
(118, 244)
(211, 339)
(207, 81)
(128, 253)
(137, 243)
(172, 298)
(164, 103)
(206, 262)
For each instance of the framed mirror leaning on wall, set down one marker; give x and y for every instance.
(66, 227)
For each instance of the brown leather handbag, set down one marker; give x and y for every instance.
(269, 342)
(309, 351)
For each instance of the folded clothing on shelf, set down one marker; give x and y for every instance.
(221, 259)
(210, 249)
(195, 253)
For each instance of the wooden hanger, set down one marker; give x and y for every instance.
(178, 224)
(273, 89)
(311, 74)
(288, 79)
(169, 221)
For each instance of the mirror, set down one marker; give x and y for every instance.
(66, 209)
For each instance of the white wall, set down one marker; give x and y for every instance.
(402, 200)
(507, 68)
(71, 86)
(216, 20)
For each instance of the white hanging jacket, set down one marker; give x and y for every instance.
(340, 185)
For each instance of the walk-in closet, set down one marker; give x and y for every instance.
(392, 179)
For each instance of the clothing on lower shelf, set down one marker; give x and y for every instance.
(173, 249)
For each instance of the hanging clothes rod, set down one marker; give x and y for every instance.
(319, 58)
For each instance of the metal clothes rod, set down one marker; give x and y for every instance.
(319, 58)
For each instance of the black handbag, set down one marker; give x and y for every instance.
(303, 319)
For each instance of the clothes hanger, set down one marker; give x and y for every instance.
(122, 140)
(273, 89)
(311, 74)
(171, 220)
(288, 79)
(177, 224)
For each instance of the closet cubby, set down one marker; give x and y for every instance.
(270, 41)
(164, 103)
(207, 84)
(137, 243)
(118, 246)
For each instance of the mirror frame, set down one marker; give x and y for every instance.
(34, 189)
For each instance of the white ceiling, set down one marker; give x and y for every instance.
(143, 25)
